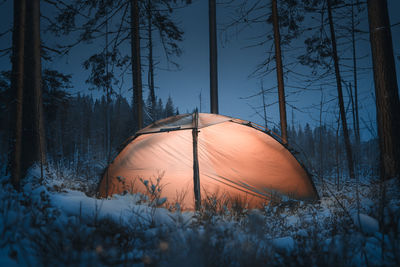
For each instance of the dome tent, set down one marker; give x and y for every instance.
(199, 155)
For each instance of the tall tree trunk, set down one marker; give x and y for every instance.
(353, 39)
(321, 103)
(17, 85)
(213, 56)
(108, 95)
(386, 89)
(353, 111)
(338, 152)
(151, 62)
(279, 72)
(340, 94)
(136, 64)
(33, 143)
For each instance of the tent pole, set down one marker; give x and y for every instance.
(196, 175)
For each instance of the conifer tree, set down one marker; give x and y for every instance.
(386, 89)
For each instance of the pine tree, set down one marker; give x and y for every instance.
(279, 72)
(169, 108)
(136, 64)
(213, 56)
(33, 143)
(386, 89)
(17, 84)
(340, 93)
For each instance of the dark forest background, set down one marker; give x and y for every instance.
(76, 132)
(42, 121)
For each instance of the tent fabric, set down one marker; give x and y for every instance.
(236, 161)
(182, 122)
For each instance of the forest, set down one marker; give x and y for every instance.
(91, 90)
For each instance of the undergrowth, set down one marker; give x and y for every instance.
(224, 232)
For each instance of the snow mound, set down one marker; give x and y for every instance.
(365, 223)
(283, 244)
(119, 208)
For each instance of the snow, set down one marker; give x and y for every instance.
(5, 259)
(292, 220)
(365, 223)
(302, 233)
(283, 244)
(60, 225)
(120, 208)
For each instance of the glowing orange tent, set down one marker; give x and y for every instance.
(200, 155)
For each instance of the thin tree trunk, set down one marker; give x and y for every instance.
(17, 85)
(355, 162)
(108, 95)
(279, 72)
(136, 64)
(338, 165)
(151, 63)
(264, 106)
(357, 124)
(386, 90)
(213, 56)
(340, 94)
(320, 134)
(200, 101)
(353, 112)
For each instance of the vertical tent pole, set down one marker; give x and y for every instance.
(196, 175)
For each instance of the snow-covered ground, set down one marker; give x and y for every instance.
(51, 222)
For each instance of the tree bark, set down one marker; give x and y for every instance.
(386, 89)
(340, 94)
(357, 123)
(213, 56)
(279, 72)
(17, 85)
(321, 103)
(33, 143)
(151, 62)
(136, 64)
(108, 94)
(353, 112)
(264, 106)
(38, 92)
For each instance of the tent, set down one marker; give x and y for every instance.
(199, 155)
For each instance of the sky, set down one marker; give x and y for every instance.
(236, 62)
